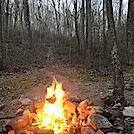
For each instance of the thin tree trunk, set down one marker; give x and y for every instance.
(88, 27)
(83, 25)
(56, 15)
(16, 13)
(1, 37)
(130, 32)
(104, 31)
(76, 27)
(7, 19)
(28, 32)
(118, 74)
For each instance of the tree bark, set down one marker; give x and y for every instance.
(56, 15)
(7, 19)
(28, 32)
(88, 27)
(118, 74)
(76, 27)
(104, 30)
(130, 32)
(1, 37)
(83, 25)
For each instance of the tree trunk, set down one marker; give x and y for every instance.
(76, 27)
(28, 32)
(83, 25)
(7, 19)
(118, 74)
(88, 27)
(56, 15)
(130, 32)
(1, 37)
(104, 31)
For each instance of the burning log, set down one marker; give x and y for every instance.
(42, 131)
(51, 100)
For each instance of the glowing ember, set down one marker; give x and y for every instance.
(52, 114)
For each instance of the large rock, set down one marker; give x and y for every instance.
(18, 123)
(129, 111)
(98, 121)
(87, 130)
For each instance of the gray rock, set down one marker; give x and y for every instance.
(25, 101)
(87, 130)
(99, 132)
(129, 111)
(117, 106)
(100, 122)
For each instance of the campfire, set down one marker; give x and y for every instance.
(51, 116)
(59, 115)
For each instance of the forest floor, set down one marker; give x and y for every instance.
(32, 83)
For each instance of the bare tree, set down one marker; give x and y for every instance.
(76, 27)
(7, 19)
(130, 32)
(1, 37)
(83, 24)
(88, 26)
(28, 32)
(118, 74)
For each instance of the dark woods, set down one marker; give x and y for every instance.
(84, 31)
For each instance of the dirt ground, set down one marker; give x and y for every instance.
(34, 84)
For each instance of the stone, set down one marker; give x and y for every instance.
(2, 106)
(117, 106)
(82, 116)
(120, 128)
(100, 122)
(27, 114)
(8, 127)
(25, 101)
(67, 114)
(87, 130)
(83, 105)
(69, 106)
(129, 111)
(11, 132)
(19, 112)
(99, 132)
(38, 105)
(18, 123)
(104, 112)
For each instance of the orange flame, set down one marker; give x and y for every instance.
(52, 114)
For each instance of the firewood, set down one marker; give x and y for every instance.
(43, 131)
